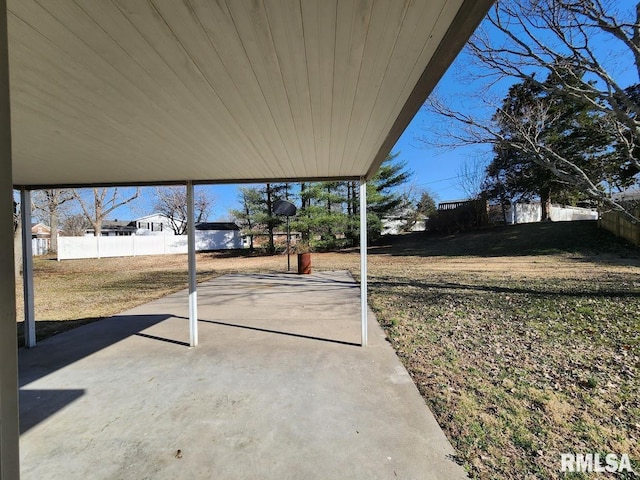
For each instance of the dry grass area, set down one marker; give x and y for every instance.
(517, 365)
(74, 292)
(524, 341)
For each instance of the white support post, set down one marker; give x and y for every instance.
(27, 269)
(193, 287)
(363, 259)
(9, 423)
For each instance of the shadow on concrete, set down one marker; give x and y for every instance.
(38, 405)
(64, 349)
(69, 347)
(162, 339)
(296, 281)
(49, 328)
(279, 332)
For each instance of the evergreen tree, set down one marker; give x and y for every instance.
(383, 197)
(247, 216)
(322, 217)
(256, 215)
(328, 212)
(564, 124)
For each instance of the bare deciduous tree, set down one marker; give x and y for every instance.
(48, 205)
(471, 176)
(172, 202)
(531, 40)
(75, 225)
(101, 202)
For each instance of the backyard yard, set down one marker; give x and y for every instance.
(524, 341)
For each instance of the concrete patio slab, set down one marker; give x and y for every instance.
(278, 388)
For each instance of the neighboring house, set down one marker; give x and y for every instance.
(40, 238)
(114, 228)
(40, 230)
(394, 226)
(154, 224)
(209, 235)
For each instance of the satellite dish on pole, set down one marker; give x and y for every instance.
(287, 209)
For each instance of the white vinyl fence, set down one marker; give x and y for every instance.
(132, 245)
(532, 212)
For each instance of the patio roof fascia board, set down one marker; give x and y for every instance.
(195, 182)
(469, 16)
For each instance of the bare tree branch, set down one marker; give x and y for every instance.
(172, 202)
(102, 206)
(49, 205)
(530, 40)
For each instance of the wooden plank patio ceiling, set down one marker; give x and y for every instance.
(153, 91)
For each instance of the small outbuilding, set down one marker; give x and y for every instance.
(217, 236)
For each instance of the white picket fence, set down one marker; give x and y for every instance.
(132, 245)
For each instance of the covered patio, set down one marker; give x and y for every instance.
(191, 92)
(278, 388)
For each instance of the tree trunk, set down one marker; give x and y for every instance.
(53, 225)
(304, 204)
(97, 227)
(272, 246)
(545, 203)
(349, 232)
(503, 206)
(17, 250)
(17, 244)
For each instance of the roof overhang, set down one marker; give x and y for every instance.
(160, 91)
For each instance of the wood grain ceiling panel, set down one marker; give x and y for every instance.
(133, 91)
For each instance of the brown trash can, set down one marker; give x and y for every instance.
(304, 263)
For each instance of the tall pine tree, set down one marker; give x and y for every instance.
(563, 123)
